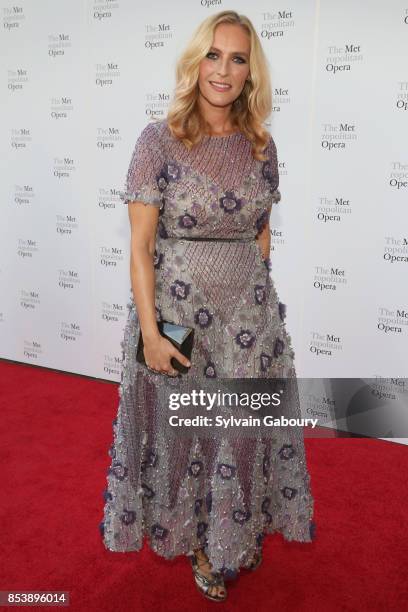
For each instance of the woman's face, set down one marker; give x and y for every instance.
(227, 63)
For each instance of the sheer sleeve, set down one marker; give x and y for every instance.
(143, 177)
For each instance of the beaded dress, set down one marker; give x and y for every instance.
(186, 492)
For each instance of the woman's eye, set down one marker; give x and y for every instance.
(241, 60)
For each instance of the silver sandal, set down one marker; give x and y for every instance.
(204, 583)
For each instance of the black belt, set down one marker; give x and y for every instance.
(248, 239)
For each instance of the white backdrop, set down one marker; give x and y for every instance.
(80, 80)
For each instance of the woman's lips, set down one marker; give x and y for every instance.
(220, 86)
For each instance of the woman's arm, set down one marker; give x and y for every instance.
(158, 351)
(143, 223)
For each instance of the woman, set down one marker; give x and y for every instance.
(200, 188)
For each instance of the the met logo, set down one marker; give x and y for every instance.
(399, 175)
(63, 167)
(61, 107)
(12, 17)
(57, 44)
(31, 349)
(396, 250)
(106, 74)
(111, 256)
(156, 35)
(156, 104)
(23, 195)
(275, 24)
(66, 224)
(112, 312)
(107, 137)
(336, 136)
(324, 344)
(68, 279)
(26, 248)
(392, 321)
(17, 80)
(20, 138)
(112, 365)
(29, 300)
(330, 210)
(340, 59)
(70, 332)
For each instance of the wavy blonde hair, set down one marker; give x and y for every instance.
(248, 111)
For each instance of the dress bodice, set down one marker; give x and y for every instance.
(215, 189)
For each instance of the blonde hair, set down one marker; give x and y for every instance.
(248, 111)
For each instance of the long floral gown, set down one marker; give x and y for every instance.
(185, 492)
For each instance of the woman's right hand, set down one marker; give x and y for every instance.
(158, 353)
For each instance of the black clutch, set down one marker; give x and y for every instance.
(180, 336)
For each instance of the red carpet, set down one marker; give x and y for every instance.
(56, 430)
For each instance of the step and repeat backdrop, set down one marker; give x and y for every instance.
(80, 79)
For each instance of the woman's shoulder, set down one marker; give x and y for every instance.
(153, 132)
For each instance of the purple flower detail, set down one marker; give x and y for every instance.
(102, 528)
(172, 171)
(266, 361)
(147, 491)
(150, 460)
(209, 370)
(262, 221)
(268, 174)
(267, 170)
(282, 310)
(278, 348)
(245, 338)
(230, 203)
(288, 492)
(162, 206)
(159, 532)
(268, 518)
(180, 290)
(195, 468)
(118, 470)
(187, 221)
(201, 529)
(197, 506)
(203, 317)
(268, 263)
(157, 259)
(112, 451)
(107, 496)
(265, 504)
(162, 180)
(226, 471)
(151, 457)
(240, 516)
(128, 517)
(169, 172)
(260, 294)
(208, 501)
(259, 539)
(286, 452)
(266, 464)
(162, 230)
